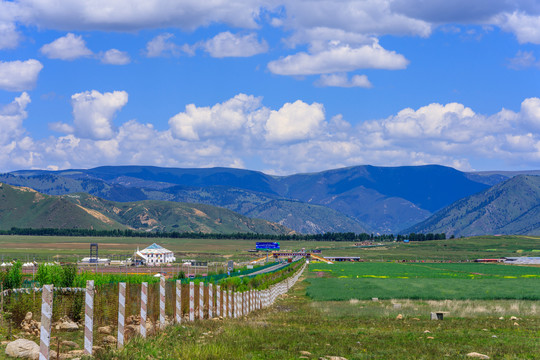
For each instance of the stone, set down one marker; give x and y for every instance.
(106, 330)
(427, 332)
(71, 344)
(516, 324)
(109, 339)
(22, 348)
(513, 318)
(430, 337)
(477, 355)
(331, 357)
(501, 318)
(397, 306)
(28, 316)
(67, 324)
(305, 353)
(374, 299)
(415, 319)
(76, 352)
(131, 330)
(399, 317)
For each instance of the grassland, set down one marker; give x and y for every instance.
(427, 281)
(68, 248)
(354, 330)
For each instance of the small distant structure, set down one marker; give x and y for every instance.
(488, 260)
(94, 258)
(156, 255)
(90, 261)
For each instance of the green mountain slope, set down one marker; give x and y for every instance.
(25, 208)
(152, 215)
(308, 219)
(510, 207)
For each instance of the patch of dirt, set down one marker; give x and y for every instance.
(199, 213)
(97, 215)
(147, 220)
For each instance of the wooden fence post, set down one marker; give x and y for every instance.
(121, 313)
(210, 300)
(201, 300)
(218, 302)
(162, 302)
(89, 318)
(191, 301)
(144, 308)
(46, 321)
(229, 303)
(178, 301)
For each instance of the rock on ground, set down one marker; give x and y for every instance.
(477, 355)
(105, 330)
(22, 348)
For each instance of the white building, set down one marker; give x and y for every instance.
(156, 255)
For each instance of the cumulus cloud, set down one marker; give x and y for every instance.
(162, 45)
(11, 118)
(9, 36)
(294, 137)
(240, 113)
(526, 27)
(19, 75)
(69, 47)
(226, 44)
(339, 58)
(93, 113)
(341, 80)
(115, 57)
(295, 122)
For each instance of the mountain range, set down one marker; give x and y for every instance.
(354, 199)
(23, 207)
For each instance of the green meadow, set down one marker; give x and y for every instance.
(426, 281)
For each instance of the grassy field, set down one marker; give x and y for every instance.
(354, 330)
(345, 281)
(69, 248)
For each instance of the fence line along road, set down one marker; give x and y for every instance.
(243, 304)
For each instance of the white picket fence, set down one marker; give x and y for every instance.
(228, 304)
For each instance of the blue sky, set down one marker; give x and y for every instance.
(277, 86)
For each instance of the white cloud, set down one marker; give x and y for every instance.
(93, 113)
(227, 118)
(11, 118)
(162, 45)
(341, 80)
(131, 15)
(226, 44)
(526, 27)
(115, 57)
(69, 47)
(9, 37)
(530, 111)
(523, 60)
(339, 58)
(295, 122)
(294, 137)
(19, 75)
(61, 127)
(369, 17)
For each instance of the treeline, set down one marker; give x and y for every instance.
(348, 236)
(422, 237)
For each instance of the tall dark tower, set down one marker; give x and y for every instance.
(93, 253)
